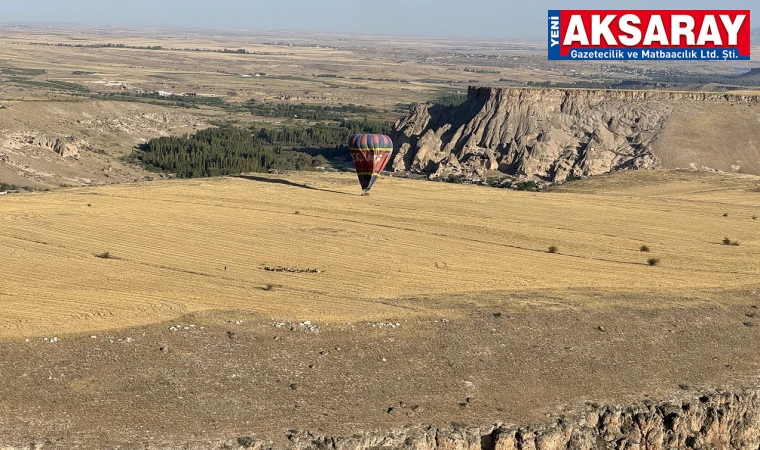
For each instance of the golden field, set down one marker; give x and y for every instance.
(409, 249)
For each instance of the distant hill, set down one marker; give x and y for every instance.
(753, 74)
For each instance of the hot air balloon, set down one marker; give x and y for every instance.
(370, 153)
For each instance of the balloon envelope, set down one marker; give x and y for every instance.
(370, 153)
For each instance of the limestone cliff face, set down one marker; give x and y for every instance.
(549, 133)
(717, 420)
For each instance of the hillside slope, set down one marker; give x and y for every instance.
(434, 303)
(555, 134)
(195, 245)
(46, 144)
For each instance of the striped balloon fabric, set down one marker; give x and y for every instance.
(371, 153)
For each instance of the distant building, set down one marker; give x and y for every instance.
(165, 93)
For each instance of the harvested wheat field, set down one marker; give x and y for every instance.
(168, 244)
(174, 314)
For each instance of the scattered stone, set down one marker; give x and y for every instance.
(93, 337)
(749, 324)
(323, 352)
(684, 387)
(385, 324)
(306, 326)
(601, 328)
(391, 410)
(752, 315)
(291, 270)
(294, 387)
(164, 349)
(231, 334)
(497, 315)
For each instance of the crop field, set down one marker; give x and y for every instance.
(85, 259)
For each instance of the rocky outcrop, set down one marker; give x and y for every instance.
(64, 147)
(718, 420)
(721, 421)
(548, 133)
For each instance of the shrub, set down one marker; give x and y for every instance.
(725, 214)
(245, 441)
(754, 217)
(553, 249)
(653, 261)
(106, 255)
(644, 248)
(727, 241)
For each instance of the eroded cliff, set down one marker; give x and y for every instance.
(722, 420)
(555, 134)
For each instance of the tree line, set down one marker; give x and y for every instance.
(232, 150)
(305, 111)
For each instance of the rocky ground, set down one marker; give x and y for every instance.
(80, 143)
(224, 379)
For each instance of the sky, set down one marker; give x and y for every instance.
(499, 19)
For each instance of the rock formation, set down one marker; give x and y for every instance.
(720, 420)
(64, 147)
(548, 133)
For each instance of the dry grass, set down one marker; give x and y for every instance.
(378, 255)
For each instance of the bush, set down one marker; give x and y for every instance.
(725, 214)
(727, 241)
(245, 441)
(106, 255)
(526, 186)
(644, 248)
(653, 261)
(7, 187)
(553, 249)
(754, 217)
